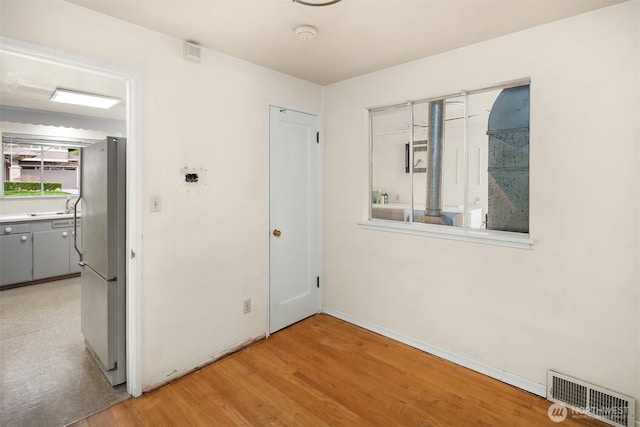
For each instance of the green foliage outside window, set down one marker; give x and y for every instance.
(32, 188)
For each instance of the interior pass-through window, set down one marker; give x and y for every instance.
(460, 160)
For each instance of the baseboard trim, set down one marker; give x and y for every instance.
(499, 374)
(214, 357)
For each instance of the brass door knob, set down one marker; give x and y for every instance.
(277, 232)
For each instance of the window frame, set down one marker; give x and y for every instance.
(464, 233)
(41, 141)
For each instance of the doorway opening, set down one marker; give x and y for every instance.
(34, 71)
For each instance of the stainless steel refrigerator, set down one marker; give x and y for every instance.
(103, 255)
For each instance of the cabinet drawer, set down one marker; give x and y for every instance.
(14, 229)
(64, 223)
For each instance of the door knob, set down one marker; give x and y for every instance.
(277, 232)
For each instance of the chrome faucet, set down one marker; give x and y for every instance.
(68, 207)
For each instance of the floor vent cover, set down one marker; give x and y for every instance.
(588, 399)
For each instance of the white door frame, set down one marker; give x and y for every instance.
(320, 206)
(133, 82)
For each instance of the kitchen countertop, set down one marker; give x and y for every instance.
(40, 216)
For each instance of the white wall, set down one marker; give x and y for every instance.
(571, 303)
(207, 250)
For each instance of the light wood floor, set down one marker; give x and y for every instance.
(325, 372)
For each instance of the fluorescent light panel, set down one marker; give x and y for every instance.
(67, 96)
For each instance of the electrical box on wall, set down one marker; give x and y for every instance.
(193, 177)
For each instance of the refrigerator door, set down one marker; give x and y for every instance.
(97, 317)
(98, 204)
(103, 255)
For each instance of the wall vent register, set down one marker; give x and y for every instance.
(592, 400)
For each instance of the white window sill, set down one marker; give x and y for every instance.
(487, 237)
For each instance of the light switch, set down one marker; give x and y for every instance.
(154, 203)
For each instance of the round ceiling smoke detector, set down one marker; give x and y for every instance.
(305, 32)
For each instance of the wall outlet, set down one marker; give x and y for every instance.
(246, 306)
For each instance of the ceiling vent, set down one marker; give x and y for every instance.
(192, 52)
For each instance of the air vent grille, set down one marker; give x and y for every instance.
(592, 400)
(601, 404)
(192, 52)
(569, 392)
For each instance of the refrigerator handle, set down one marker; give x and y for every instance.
(75, 214)
(75, 230)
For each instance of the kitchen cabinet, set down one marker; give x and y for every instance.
(50, 253)
(74, 258)
(15, 254)
(37, 250)
(53, 251)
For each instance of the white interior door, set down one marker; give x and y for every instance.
(293, 216)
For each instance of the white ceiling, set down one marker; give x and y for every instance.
(355, 37)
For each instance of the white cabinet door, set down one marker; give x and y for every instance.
(15, 258)
(51, 253)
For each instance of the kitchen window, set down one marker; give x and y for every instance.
(455, 166)
(36, 166)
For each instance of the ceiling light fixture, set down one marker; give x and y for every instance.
(67, 96)
(316, 3)
(305, 32)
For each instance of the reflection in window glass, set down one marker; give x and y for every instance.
(464, 163)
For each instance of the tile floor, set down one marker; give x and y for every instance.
(47, 377)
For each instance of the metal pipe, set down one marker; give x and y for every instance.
(435, 153)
